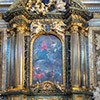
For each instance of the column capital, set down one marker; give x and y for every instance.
(84, 32)
(20, 28)
(74, 27)
(10, 32)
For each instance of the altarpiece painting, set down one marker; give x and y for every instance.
(47, 59)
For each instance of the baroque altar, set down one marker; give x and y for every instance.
(47, 50)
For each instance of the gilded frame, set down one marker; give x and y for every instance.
(62, 39)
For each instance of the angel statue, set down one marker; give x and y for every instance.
(58, 26)
(96, 93)
(60, 5)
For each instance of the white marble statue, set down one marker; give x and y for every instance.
(60, 6)
(96, 93)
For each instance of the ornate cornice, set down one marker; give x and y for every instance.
(76, 7)
(71, 7)
(93, 6)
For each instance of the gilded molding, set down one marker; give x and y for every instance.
(61, 37)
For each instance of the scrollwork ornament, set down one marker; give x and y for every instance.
(40, 25)
(37, 26)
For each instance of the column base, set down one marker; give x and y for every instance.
(80, 97)
(11, 87)
(80, 93)
(16, 97)
(84, 88)
(76, 88)
(19, 87)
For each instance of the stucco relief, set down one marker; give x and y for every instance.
(94, 55)
(98, 52)
(98, 42)
(91, 57)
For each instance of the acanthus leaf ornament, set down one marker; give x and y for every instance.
(47, 26)
(36, 27)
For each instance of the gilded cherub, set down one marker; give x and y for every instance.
(60, 5)
(58, 26)
(36, 27)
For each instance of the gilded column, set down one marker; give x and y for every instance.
(19, 60)
(75, 58)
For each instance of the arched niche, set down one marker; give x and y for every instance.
(47, 60)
